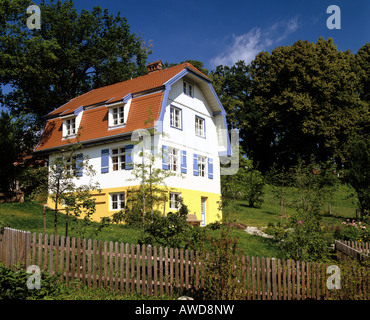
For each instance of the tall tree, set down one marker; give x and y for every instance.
(308, 103)
(71, 54)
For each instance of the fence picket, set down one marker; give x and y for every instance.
(157, 270)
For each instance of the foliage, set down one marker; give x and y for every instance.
(314, 182)
(308, 103)
(171, 231)
(15, 140)
(62, 178)
(353, 230)
(34, 181)
(71, 54)
(358, 171)
(247, 184)
(221, 259)
(13, 284)
(303, 238)
(355, 277)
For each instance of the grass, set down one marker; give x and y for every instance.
(29, 216)
(342, 207)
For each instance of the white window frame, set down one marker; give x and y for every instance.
(121, 161)
(69, 127)
(174, 159)
(71, 164)
(118, 115)
(175, 119)
(116, 198)
(202, 166)
(199, 126)
(188, 89)
(175, 200)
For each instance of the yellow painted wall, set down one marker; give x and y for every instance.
(190, 197)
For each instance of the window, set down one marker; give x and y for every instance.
(173, 155)
(175, 117)
(188, 89)
(199, 126)
(70, 127)
(118, 159)
(118, 116)
(175, 200)
(71, 164)
(202, 161)
(117, 201)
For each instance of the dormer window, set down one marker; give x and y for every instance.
(69, 127)
(118, 116)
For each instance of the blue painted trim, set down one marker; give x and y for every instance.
(210, 168)
(165, 158)
(183, 161)
(195, 165)
(78, 110)
(105, 161)
(129, 165)
(229, 151)
(127, 97)
(79, 165)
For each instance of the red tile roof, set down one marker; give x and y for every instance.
(94, 123)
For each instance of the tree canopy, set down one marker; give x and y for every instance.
(69, 55)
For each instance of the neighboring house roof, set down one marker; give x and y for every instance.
(148, 93)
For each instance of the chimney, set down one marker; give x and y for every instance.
(155, 66)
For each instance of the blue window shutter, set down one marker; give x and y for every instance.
(165, 164)
(129, 164)
(183, 161)
(79, 165)
(105, 161)
(195, 165)
(210, 168)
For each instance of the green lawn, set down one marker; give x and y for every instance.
(29, 216)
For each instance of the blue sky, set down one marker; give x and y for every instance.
(222, 32)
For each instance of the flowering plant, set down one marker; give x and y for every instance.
(355, 231)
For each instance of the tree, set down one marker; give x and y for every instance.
(314, 184)
(71, 54)
(247, 184)
(358, 171)
(65, 168)
(14, 140)
(308, 104)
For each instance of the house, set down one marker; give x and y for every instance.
(180, 104)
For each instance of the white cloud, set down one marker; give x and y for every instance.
(246, 46)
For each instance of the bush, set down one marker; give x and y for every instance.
(303, 239)
(221, 261)
(13, 284)
(354, 231)
(171, 231)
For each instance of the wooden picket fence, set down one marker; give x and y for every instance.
(156, 271)
(354, 249)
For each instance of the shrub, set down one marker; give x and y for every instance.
(303, 239)
(221, 261)
(13, 284)
(354, 231)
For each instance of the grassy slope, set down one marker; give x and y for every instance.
(28, 216)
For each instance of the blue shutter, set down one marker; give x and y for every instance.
(79, 165)
(195, 165)
(129, 164)
(210, 168)
(183, 161)
(105, 161)
(165, 159)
